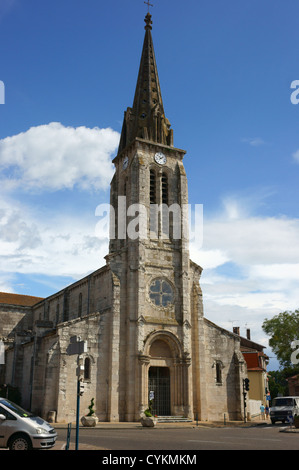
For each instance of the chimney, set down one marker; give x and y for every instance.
(248, 333)
(236, 330)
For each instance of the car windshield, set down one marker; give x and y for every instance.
(283, 402)
(16, 409)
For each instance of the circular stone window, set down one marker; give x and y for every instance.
(161, 293)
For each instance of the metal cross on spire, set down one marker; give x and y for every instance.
(148, 5)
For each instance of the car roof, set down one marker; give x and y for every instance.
(288, 397)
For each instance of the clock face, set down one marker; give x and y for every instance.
(160, 158)
(125, 163)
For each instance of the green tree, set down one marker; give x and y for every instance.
(283, 329)
(278, 384)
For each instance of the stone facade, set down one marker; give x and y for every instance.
(141, 314)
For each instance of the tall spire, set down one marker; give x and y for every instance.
(146, 120)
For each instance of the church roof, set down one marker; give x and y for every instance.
(16, 299)
(146, 119)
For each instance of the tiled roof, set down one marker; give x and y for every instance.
(16, 299)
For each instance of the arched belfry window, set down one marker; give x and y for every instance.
(165, 212)
(152, 187)
(164, 188)
(153, 201)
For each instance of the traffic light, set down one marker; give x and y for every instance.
(246, 384)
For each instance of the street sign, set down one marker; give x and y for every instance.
(290, 419)
(76, 347)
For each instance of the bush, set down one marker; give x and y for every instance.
(91, 410)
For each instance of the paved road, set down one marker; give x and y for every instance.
(253, 438)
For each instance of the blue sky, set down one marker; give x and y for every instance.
(225, 68)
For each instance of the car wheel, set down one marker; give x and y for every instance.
(19, 442)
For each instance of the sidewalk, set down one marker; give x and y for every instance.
(191, 424)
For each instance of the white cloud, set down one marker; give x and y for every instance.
(254, 240)
(63, 246)
(54, 157)
(6, 282)
(254, 141)
(250, 266)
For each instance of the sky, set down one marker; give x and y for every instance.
(68, 70)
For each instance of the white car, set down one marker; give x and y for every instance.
(21, 430)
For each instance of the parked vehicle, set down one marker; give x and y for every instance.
(284, 408)
(21, 430)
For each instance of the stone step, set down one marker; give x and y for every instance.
(173, 419)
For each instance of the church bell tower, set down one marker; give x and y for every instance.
(149, 256)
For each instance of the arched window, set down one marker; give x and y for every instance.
(219, 367)
(152, 187)
(153, 201)
(164, 189)
(87, 368)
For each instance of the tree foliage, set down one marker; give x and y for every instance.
(278, 384)
(283, 329)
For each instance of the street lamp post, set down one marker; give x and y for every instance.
(78, 347)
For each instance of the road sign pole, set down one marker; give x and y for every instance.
(78, 412)
(77, 347)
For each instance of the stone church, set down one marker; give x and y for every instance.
(141, 314)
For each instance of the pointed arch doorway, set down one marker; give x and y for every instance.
(159, 390)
